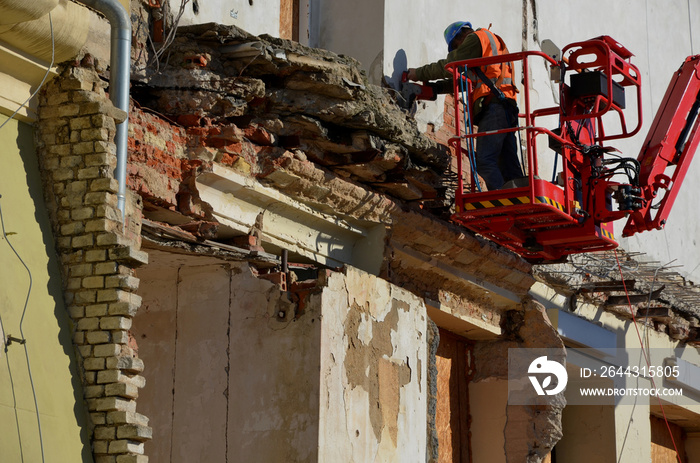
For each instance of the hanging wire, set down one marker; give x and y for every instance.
(520, 143)
(651, 292)
(46, 75)
(21, 332)
(4, 235)
(646, 357)
(169, 38)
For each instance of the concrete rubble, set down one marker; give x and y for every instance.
(227, 87)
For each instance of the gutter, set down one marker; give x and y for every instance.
(119, 81)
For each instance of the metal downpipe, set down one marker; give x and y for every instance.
(119, 81)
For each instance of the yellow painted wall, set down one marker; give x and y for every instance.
(46, 325)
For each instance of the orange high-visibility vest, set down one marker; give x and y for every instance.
(501, 74)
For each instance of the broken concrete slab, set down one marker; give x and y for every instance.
(291, 81)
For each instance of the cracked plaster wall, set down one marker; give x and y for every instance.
(235, 366)
(373, 371)
(232, 367)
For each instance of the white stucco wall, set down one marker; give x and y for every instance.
(350, 28)
(254, 16)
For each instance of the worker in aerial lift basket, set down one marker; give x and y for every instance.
(493, 104)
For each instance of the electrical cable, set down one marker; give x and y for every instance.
(14, 398)
(4, 235)
(554, 169)
(468, 125)
(516, 123)
(169, 38)
(623, 166)
(21, 332)
(646, 357)
(466, 115)
(536, 39)
(561, 113)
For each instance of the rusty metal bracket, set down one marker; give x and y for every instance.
(301, 291)
(158, 30)
(11, 339)
(634, 299)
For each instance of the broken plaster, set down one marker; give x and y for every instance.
(385, 376)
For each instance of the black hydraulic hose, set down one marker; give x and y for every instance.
(689, 122)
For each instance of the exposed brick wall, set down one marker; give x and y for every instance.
(446, 131)
(75, 140)
(156, 155)
(165, 155)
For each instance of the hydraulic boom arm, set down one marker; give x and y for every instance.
(668, 149)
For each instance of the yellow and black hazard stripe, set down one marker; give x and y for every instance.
(550, 201)
(603, 233)
(496, 203)
(511, 202)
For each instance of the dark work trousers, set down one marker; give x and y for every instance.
(497, 155)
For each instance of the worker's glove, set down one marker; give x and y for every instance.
(410, 92)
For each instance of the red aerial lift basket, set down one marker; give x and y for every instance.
(544, 220)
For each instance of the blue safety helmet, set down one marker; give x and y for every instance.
(452, 31)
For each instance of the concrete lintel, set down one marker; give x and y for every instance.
(583, 332)
(689, 374)
(500, 297)
(475, 329)
(688, 418)
(239, 202)
(573, 327)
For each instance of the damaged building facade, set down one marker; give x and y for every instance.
(281, 281)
